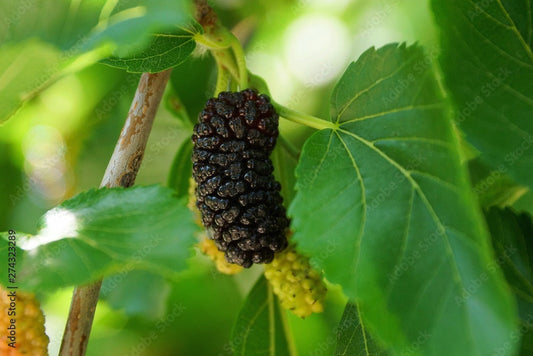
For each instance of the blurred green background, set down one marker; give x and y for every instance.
(58, 144)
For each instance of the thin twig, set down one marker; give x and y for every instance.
(121, 172)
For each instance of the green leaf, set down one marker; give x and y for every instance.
(57, 22)
(180, 174)
(21, 75)
(165, 51)
(261, 328)
(487, 62)
(136, 292)
(69, 37)
(493, 187)
(98, 232)
(130, 24)
(511, 237)
(352, 337)
(525, 203)
(384, 207)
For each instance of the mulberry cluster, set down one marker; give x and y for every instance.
(298, 286)
(30, 336)
(237, 194)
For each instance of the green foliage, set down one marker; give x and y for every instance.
(487, 62)
(385, 197)
(511, 237)
(105, 231)
(261, 327)
(71, 37)
(493, 187)
(165, 51)
(21, 76)
(385, 208)
(352, 337)
(130, 24)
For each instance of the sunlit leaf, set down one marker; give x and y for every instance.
(99, 232)
(20, 75)
(47, 39)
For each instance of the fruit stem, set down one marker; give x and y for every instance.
(233, 86)
(223, 78)
(303, 119)
(218, 43)
(241, 62)
(224, 61)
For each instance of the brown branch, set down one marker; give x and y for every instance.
(121, 172)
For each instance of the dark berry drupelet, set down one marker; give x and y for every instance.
(236, 192)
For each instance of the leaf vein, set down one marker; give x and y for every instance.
(406, 108)
(377, 82)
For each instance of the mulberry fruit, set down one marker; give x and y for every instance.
(30, 336)
(209, 249)
(207, 246)
(298, 286)
(236, 193)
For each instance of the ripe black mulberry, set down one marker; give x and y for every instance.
(237, 194)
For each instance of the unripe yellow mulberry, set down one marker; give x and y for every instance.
(30, 336)
(298, 286)
(191, 203)
(209, 249)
